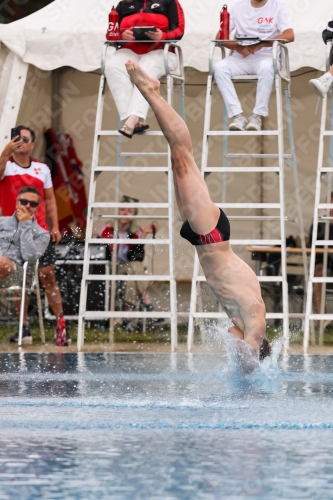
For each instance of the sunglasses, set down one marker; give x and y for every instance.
(25, 139)
(26, 202)
(129, 199)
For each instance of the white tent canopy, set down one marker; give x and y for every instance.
(71, 32)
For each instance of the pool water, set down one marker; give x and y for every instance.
(164, 426)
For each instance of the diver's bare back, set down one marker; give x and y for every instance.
(234, 283)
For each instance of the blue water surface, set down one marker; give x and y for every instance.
(164, 426)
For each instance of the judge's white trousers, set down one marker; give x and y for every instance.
(128, 98)
(254, 64)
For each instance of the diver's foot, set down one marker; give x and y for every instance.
(141, 79)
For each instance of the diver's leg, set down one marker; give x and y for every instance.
(192, 194)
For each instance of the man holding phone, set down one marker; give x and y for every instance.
(139, 22)
(17, 170)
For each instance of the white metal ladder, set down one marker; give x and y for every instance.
(228, 158)
(93, 206)
(34, 286)
(322, 172)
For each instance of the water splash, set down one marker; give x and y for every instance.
(238, 353)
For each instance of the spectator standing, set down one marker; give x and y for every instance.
(266, 19)
(167, 17)
(130, 260)
(322, 85)
(21, 240)
(17, 170)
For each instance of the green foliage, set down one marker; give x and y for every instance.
(98, 332)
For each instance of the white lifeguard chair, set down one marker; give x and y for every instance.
(321, 213)
(113, 205)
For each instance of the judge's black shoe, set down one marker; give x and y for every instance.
(153, 321)
(26, 336)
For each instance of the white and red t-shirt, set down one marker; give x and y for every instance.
(266, 22)
(15, 178)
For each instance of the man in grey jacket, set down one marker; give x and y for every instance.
(21, 240)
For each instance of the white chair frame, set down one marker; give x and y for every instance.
(24, 289)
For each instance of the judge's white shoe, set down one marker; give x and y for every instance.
(239, 122)
(254, 123)
(322, 85)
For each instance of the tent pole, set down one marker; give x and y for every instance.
(56, 116)
(15, 74)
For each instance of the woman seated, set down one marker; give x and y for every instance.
(130, 260)
(167, 17)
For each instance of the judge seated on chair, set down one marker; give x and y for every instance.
(265, 20)
(166, 20)
(21, 240)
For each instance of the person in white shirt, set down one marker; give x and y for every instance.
(323, 84)
(264, 19)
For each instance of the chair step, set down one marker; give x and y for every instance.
(210, 315)
(128, 314)
(129, 153)
(78, 262)
(115, 132)
(223, 315)
(249, 205)
(255, 217)
(241, 169)
(321, 316)
(265, 243)
(274, 315)
(261, 279)
(324, 243)
(149, 217)
(270, 279)
(126, 277)
(132, 169)
(324, 205)
(257, 155)
(241, 132)
(320, 279)
(109, 204)
(132, 241)
(326, 169)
